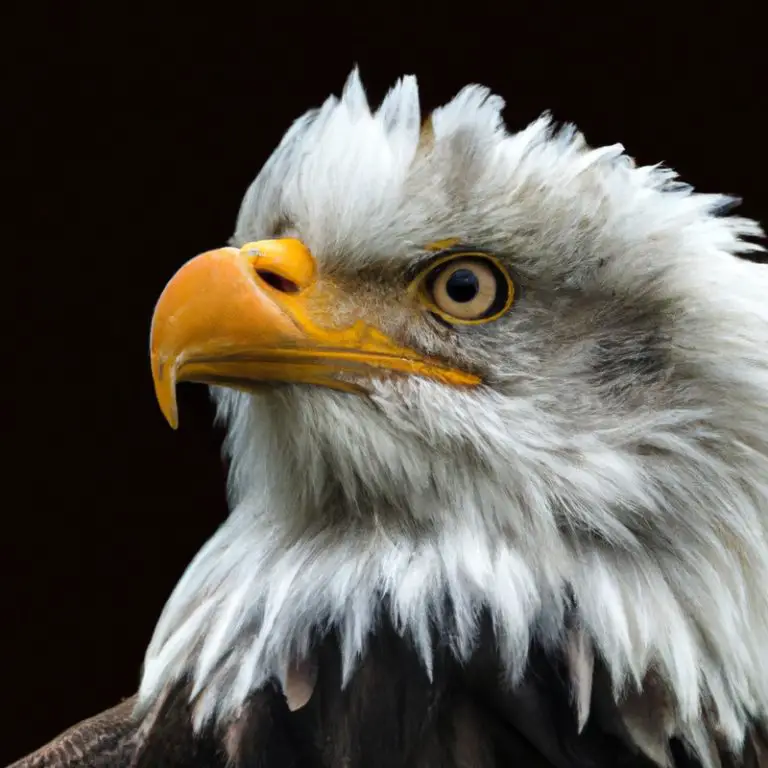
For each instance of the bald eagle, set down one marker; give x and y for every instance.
(497, 410)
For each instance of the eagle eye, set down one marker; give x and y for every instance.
(467, 288)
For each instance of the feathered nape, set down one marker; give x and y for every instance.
(678, 616)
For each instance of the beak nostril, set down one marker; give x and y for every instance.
(278, 282)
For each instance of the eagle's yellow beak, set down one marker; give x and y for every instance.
(243, 317)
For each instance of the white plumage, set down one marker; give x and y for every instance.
(617, 454)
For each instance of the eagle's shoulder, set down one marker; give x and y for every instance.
(102, 740)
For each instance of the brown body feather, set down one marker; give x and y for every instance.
(388, 716)
(103, 740)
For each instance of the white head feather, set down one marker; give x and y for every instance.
(618, 453)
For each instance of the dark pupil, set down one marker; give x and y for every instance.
(462, 286)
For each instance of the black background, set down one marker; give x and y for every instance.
(134, 131)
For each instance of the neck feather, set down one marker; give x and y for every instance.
(257, 597)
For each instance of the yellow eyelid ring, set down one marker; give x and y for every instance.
(422, 286)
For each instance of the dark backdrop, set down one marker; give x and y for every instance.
(135, 132)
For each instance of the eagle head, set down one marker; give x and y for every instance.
(470, 372)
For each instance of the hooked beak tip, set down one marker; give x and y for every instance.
(164, 376)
